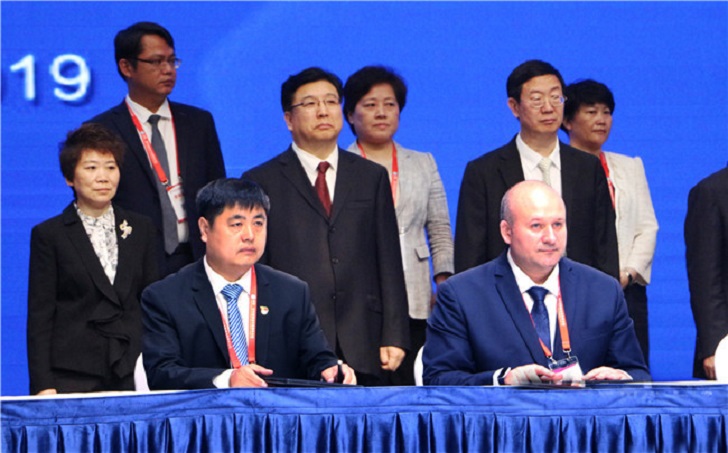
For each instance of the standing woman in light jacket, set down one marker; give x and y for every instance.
(374, 96)
(88, 267)
(588, 120)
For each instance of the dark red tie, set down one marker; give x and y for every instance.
(321, 188)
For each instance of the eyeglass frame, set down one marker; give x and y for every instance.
(314, 103)
(550, 99)
(173, 62)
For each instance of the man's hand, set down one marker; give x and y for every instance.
(55, 392)
(247, 376)
(709, 367)
(391, 357)
(605, 373)
(530, 374)
(329, 374)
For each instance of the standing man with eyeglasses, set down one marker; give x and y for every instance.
(173, 148)
(535, 97)
(333, 225)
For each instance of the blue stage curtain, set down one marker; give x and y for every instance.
(611, 418)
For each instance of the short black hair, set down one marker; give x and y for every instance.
(362, 81)
(586, 92)
(88, 137)
(128, 42)
(229, 192)
(527, 71)
(308, 75)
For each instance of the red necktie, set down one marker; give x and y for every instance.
(321, 188)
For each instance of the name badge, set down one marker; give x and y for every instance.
(177, 197)
(568, 368)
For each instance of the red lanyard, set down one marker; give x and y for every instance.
(251, 326)
(395, 170)
(603, 159)
(563, 329)
(150, 151)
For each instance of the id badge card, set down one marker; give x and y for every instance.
(177, 198)
(569, 369)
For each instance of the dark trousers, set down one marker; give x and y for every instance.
(636, 296)
(405, 373)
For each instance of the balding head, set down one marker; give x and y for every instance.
(533, 224)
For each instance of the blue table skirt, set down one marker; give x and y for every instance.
(610, 418)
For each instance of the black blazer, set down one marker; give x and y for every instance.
(77, 320)
(184, 338)
(351, 261)
(200, 160)
(589, 213)
(706, 253)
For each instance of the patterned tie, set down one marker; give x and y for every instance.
(321, 188)
(235, 322)
(545, 166)
(169, 218)
(539, 314)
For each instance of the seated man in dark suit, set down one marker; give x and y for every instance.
(499, 322)
(225, 321)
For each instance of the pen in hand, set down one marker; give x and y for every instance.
(339, 372)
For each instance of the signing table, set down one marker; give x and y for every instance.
(637, 417)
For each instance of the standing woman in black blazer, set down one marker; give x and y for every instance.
(88, 267)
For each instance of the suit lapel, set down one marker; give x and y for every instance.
(182, 130)
(127, 252)
(513, 301)
(130, 135)
(293, 171)
(265, 304)
(406, 180)
(511, 169)
(568, 173)
(77, 236)
(204, 298)
(345, 181)
(569, 294)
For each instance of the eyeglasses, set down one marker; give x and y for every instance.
(311, 103)
(157, 62)
(537, 102)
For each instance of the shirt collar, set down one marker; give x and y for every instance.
(531, 158)
(310, 162)
(524, 282)
(143, 113)
(105, 220)
(218, 282)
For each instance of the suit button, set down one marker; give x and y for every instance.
(332, 230)
(335, 260)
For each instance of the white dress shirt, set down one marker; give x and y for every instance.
(310, 165)
(530, 160)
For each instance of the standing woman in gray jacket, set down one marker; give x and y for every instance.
(374, 96)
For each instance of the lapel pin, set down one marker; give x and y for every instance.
(263, 309)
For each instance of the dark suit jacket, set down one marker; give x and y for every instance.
(480, 324)
(706, 253)
(184, 337)
(77, 320)
(200, 160)
(589, 211)
(351, 261)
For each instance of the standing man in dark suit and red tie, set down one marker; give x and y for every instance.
(531, 315)
(535, 97)
(333, 225)
(173, 148)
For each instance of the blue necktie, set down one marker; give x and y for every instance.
(235, 322)
(539, 314)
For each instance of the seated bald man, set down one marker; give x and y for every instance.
(531, 315)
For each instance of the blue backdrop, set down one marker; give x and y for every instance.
(667, 64)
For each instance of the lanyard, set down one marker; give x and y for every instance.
(395, 169)
(251, 326)
(563, 329)
(603, 160)
(150, 151)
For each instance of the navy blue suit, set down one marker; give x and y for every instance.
(184, 343)
(481, 324)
